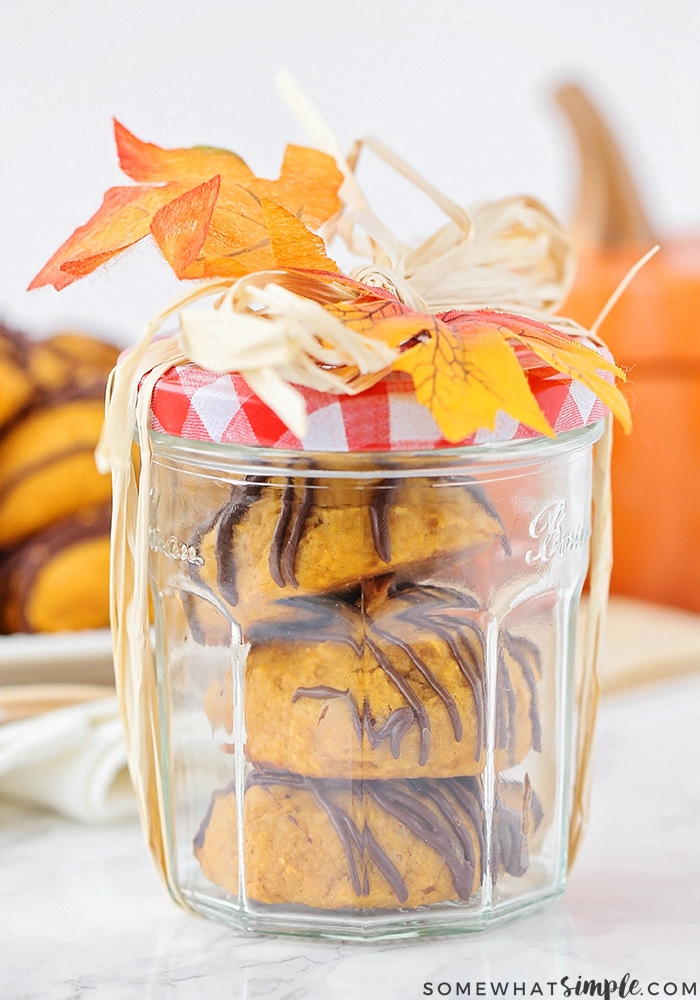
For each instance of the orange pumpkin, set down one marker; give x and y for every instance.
(654, 331)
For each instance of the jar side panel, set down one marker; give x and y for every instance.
(366, 691)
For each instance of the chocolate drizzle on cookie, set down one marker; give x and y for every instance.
(441, 828)
(420, 607)
(361, 841)
(285, 543)
(441, 612)
(444, 814)
(414, 702)
(511, 828)
(308, 619)
(278, 535)
(323, 619)
(296, 505)
(380, 501)
(23, 567)
(243, 495)
(44, 466)
(392, 730)
(478, 493)
(527, 656)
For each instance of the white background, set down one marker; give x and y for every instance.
(462, 90)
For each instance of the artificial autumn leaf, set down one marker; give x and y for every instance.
(584, 371)
(364, 313)
(307, 185)
(82, 267)
(291, 243)
(148, 163)
(276, 240)
(522, 327)
(237, 241)
(123, 219)
(565, 354)
(225, 236)
(474, 348)
(180, 227)
(463, 380)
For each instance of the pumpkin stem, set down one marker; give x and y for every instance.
(609, 212)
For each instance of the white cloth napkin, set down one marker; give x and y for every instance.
(71, 760)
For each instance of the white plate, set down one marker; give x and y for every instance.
(57, 658)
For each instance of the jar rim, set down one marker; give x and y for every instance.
(497, 455)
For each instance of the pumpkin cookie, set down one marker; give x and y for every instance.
(59, 579)
(390, 687)
(278, 538)
(70, 360)
(47, 465)
(361, 844)
(17, 385)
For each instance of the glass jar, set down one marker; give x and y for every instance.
(365, 668)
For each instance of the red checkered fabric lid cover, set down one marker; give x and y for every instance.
(190, 402)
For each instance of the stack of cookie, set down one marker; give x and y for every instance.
(54, 505)
(372, 703)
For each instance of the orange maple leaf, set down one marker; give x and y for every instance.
(291, 244)
(303, 186)
(206, 210)
(150, 164)
(124, 218)
(180, 227)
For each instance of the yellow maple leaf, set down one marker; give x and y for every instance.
(563, 353)
(465, 365)
(463, 381)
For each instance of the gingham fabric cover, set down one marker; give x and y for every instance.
(189, 402)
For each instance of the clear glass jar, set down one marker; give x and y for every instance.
(365, 680)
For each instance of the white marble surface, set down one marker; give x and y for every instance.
(82, 913)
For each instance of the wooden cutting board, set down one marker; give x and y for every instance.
(25, 701)
(647, 643)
